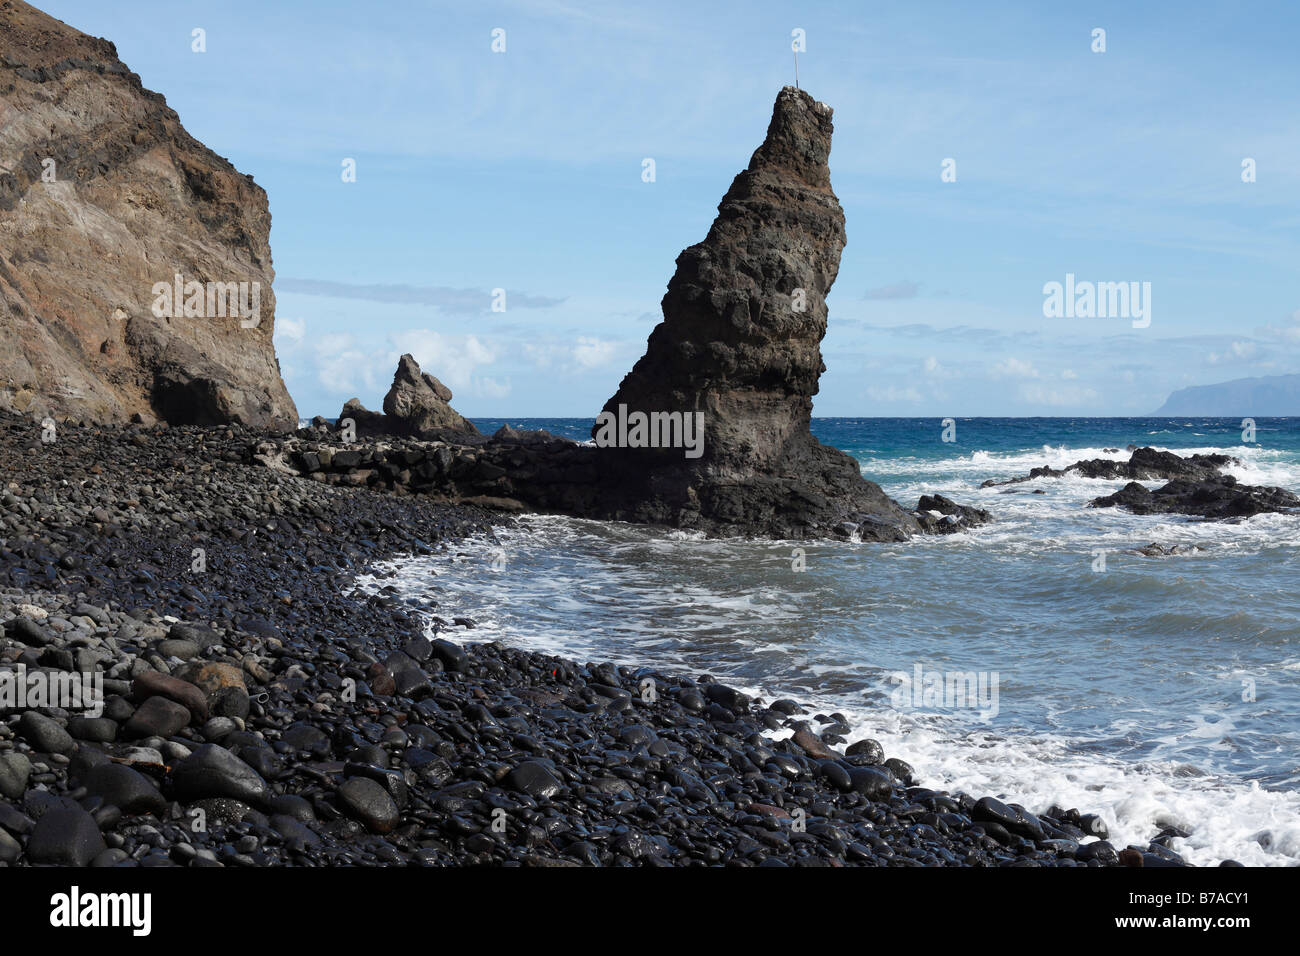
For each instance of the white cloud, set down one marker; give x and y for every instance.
(1011, 367)
(593, 353)
(544, 354)
(892, 393)
(1289, 333)
(1240, 351)
(343, 366)
(289, 332)
(934, 369)
(491, 388)
(587, 353)
(452, 359)
(1057, 395)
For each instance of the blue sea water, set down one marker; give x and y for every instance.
(1158, 691)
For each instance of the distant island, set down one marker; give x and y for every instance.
(1268, 396)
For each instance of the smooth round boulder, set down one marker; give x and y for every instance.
(26, 631)
(153, 684)
(15, 769)
(995, 811)
(213, 771)
(128, 789)
(100, 730)
(44, 734)
(157, 717)
(868, 751)
(874, 783)
(813, 745)
(364, 800)
(65, 836)
(533, 778)
(10, 849)
(451, 655)
(178, 648)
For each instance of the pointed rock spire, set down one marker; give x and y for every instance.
(740, 342)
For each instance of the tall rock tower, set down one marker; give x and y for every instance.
(740, 342)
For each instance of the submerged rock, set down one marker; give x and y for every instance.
(1157, 550)
(1196, 487)
(940, 515)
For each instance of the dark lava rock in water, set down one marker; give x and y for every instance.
(1144, 464)
(874, 783)
(1156, 550)
(940, 515)
(1216, 497)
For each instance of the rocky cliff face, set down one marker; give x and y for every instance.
(104, 201)
(740, 342)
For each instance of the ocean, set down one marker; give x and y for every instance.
(1154, 691)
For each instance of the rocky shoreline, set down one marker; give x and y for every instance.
(519, 471)
(259, 711)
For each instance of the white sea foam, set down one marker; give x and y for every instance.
(594, 591)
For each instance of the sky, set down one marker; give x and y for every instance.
(521, 171)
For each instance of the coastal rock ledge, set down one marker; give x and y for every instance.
(710, 429)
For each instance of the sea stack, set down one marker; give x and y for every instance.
(417, 405)
(740, 344)
(135, 267)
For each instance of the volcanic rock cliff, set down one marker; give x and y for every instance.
(103, 197)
